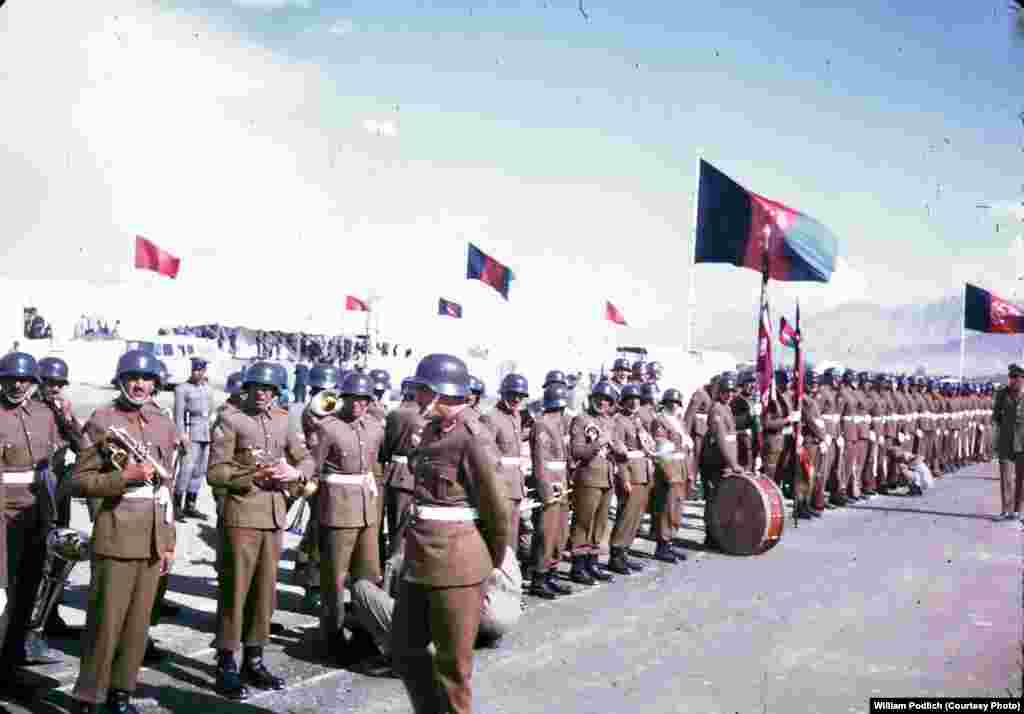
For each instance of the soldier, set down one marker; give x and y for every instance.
(557, 377)
(29, 435)
(1008, 416)
(875, 410)
(193, 402)
(673, 448)
(476, 393)
(826, 449)
(655, 371)
(380, 380)
(403, 430)
(53, 377)
(348, 446)
(133, 534)
(301, 382)
(777, 426)
(633, 451)
(718, 455)
(257, 459)
(590, 437)
(746, 411)
(620, 372)
(459, 530)
(549, 452)
(233, 387)
(695, 421)
(638, 374)
(812, 425)
(506, 424)
(885, 385)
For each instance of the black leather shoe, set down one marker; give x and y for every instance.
(597, 571)
(617, 564)
(56, 627)
(664, 553)
(635, 565)
(190, 510)
(120, 702)
(679, 552)
(814, 512)
(376, 666)
(539, 588)
(37, 651)
(558, 587)
(579, 573)
(154, 655)
(170, 609)
(229, 681)
(254, 672)
(83, 708)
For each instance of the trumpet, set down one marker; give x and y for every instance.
(120, 446)
(325, 403)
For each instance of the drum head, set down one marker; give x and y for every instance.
(740, 517)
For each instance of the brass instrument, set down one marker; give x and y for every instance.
(65, 547)
(325, 403)
(120, 447)
(593, 433)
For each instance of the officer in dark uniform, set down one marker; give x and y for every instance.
(458, 532)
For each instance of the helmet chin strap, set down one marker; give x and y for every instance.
(128, 398)
(9, 398)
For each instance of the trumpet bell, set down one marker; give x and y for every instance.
(325, 403)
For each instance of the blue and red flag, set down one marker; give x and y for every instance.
(487, 270)
(986, 312)
(735, 226)
(787, 335)
(447, 308)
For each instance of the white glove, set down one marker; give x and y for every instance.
(920, 434)
(757, 464)
(794, 418)
(687, 442)
(840, 442)
(3, 599)
(828, 440)
(872, 437)
(756, 409)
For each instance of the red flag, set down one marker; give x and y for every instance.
(614, 314)
(765, 371)
(354, 303)
(148, 256)
(787, 335)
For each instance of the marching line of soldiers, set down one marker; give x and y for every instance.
(434, 481)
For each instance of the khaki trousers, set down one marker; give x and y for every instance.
(121, 596)
(629, 513)
(590, 518)
(248, 587)
(547, 536)
(668, 509)
(307, 559)
(450, 617)
(342, 550)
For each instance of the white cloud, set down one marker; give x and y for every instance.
(380, 128)
(341, 27)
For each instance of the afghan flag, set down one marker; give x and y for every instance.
(447, 308)
(149, 256)
(487, 270)
(787, 335)
(735, 225)
(986, 312)
(614, 314)
(765, 366)
(354, 303)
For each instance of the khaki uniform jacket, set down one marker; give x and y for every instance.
(377, 411)
(549, 454)
(243, 440)
(633, 461)
(774, 422)
(847, 406)
(673, 467)
(137, 528)
(695, 419)
(457, 468)
(348, 448)
(591, 467)
(811, 421)
(507, 429)
(720, 443)
(403, 430)
(28, 438)
(827, 408)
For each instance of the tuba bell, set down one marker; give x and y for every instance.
(325, 403)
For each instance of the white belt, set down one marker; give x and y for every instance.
(25, 478)
(820, 422)
(878, 419)
(730, 437)
(677, 457)
(145, 493)
(511, 460)
(554, 465)
(445, 513)
(831, 417)
(635, 454)
(346, 479)
(851, 419)
(702, 416)
(400, 459)
(787, 430)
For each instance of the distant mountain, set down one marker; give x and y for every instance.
(868, 336)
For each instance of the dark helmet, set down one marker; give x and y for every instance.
(476, 386)
(555, 376)
(54, 369)
(811, 378)
(849, 376)
(620, 363)
(831, 377)
(199, 363)
(323, 376)
(380, 375)
(357, 385)
(655, 370)
(444, 374)
(268, 374)
(139, 362)
(920, 380)
(672, 395)
(19, 364)
(863, 378)
(746, 378)
(165, 374)
(515, 384)
(640, 367)
(233, 385)
(629, 391)
(408, 386)
(782, 377)
(901, 380)
(556, 396)
(727, 381)
(606, 390)
(649, 392)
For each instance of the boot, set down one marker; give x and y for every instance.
(579, 573)
(56, 627)
(678, 551)
(153, 655)
(85, 708)
(179, 507)
(120, 702)
(596, 571)
(617, 562)
(635, 565)
(311, 602)
(190, 508)
(803, 512)
(813, 512)
(255, 672)
(37, 651)
(557, 586)
(664, 553)
(539, 587)
(229, 682)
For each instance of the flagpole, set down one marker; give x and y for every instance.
(963, 330)
(691, 305)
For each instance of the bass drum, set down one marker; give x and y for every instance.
(748, 515)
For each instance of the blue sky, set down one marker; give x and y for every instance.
(563, 146)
